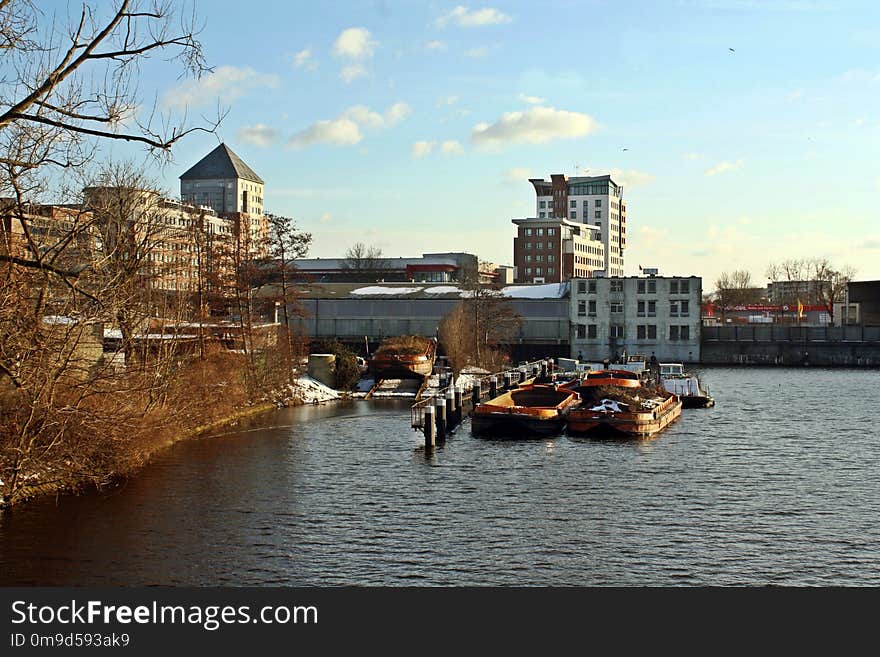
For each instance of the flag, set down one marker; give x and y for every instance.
(800, 309)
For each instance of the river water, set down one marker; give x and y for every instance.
(778, 484)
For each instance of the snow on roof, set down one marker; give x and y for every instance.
(442, 289)
(545, 291)
(378, 289)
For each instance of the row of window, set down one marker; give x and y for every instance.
(540, 232)
(540, 258)
(643, 308)
(539, 245)
(643, 332)
(539, 271)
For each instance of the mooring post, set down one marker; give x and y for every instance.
(459, 398)
(428, 424)
(522, 374)
(441, 418)
(535, 371)
(543, 368)
(442, 381)
(493, 387)
(450, 409)
(476, 393)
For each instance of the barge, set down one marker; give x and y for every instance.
(527, 411)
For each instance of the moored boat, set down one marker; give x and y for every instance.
(617, 404)
(688, 387)
(409, 356)
(530, 410)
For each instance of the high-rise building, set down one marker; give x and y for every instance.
(551, 250)
(593, 200)
(222, 181)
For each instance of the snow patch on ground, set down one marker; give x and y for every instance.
(312, 391)
(442, 289)
(378, 289)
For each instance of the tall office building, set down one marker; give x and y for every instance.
(222, 181)
(593, 200)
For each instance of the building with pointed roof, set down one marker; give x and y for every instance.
(222, 181)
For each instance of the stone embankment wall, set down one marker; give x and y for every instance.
(831, 346)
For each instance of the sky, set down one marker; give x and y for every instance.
(744, 132)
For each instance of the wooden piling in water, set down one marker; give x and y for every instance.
(429, 427)
(459, 398)
(493, 387)
(441, 418)
(476, 394)
(450, 409)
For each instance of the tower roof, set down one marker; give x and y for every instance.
(221, 163)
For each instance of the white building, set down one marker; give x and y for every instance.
(650, 315)
(595, 200)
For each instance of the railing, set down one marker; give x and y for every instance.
(417, 411)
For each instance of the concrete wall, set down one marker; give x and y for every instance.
(849, 346)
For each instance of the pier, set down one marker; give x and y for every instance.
(438, 414)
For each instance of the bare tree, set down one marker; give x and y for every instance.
(735, 288)
(813, 281)
(364, 262)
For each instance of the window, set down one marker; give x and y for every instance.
(684, 287)
(573, 203)
(581, 331)
(673, 333)
(616, 331)
(541, 215)
(652, 309)
(617, 286)
(652, 331)
(528, 270)
(528, 245)
(673, 287)
(617, 307)
(641, 309)
(551, 258)
(640, 332)
(652, 286)
(684, 332)
(572, 215)
(540, 232)
(528, 232)
(592, 286)
(539, 258)
(598, 203)
(591, 331)
(551, 232)
(598, 214)
(673, 309)
(640, 287)
(528, 258)
(549, 245)
(537, 271)
(582, 287)
(540, 245)
(582, 308)
(550, 204)
(542, 204)
(592, 309)
(685, 309)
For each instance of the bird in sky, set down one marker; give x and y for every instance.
(731, 50)
(626, 149)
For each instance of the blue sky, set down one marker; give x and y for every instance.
(414, 126)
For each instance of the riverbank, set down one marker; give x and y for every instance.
(56, 480)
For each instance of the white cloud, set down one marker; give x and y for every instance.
(531, 100)
(451, 148)
(345, 130)
(352, 72)
(326, 217)
(435, 45)
(721, 167)
(517, 174)
(228, 82)
(693, 156)
(631, 178)
(466, 17)
(447, 100)
(397, 113)
(339, 132)
(534, 126)
(259, 134)
(423, 148)
(355, 43)
(477, 53)
(303, 59)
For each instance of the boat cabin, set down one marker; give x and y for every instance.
(671, 369)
